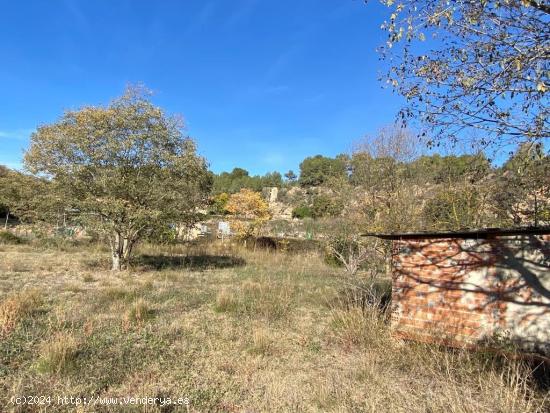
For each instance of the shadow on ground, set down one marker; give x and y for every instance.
(191, 262)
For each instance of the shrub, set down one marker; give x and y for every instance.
(9, 238)
(301, 212)
(325, 206)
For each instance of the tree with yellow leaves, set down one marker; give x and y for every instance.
(249, 213)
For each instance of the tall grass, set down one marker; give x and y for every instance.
(16, 307)
(257, 336)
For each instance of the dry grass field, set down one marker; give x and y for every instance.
(230, 329)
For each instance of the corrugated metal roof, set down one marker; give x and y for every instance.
(466, 233)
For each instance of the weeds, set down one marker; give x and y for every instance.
(139, 312)
(253, 337)
(257, 300)
(16, 307)
(58, 354)
(262, 342)
(9, 238)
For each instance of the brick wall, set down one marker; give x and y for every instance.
(466, 291)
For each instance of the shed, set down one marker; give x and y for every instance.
(470, 287)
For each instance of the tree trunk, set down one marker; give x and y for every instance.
(6, 222)
(121, 250)
(117, 262)
(117, 252)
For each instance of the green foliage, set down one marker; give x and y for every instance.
(326, 206)
(522, 189)
(319, 169)
(126, 168)
(444, 169)
(27, 197)
(219, 203)
(232, 182)
(302, 211)
(9, 238)
(452, 209)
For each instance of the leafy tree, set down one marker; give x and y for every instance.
(27, 197)
(452, 209)
(272, 179)
(326, 206)
(486, 67)
(319, 169)
(250, 212)
(448, 169)
(219, 203)
(126, 167)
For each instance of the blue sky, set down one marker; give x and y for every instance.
(261, 84)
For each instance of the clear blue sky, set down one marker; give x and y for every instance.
(261, 84)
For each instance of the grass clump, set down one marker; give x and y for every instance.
(356, 328)
(16, 307)
(58, 354)
(88, 278)
(262, 343)
(225, 301)
(139, 312)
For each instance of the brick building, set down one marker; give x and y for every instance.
(470, 287)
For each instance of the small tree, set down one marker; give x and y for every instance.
(219, 202)
(250, 212)
(127, 168)
(353, 251)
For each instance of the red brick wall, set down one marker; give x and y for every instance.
(461, 292)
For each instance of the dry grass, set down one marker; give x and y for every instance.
(139, 312)
(57, 354)
(262, 342)
(231, 329)
(16, 307)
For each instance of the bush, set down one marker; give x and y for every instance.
(9, 238)
(346, 247)
(292, 245)
(325, 206)
(301, 212)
